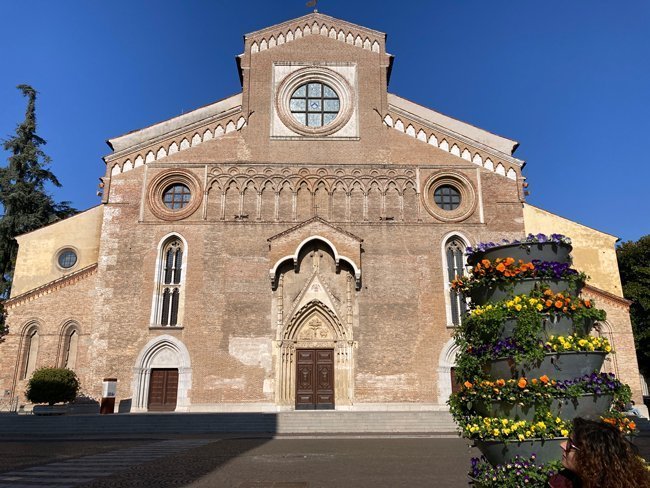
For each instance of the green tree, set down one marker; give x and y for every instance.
(25, 202)
(634, 266)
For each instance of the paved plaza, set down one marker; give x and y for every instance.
(239, 462)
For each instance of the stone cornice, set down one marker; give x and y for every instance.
(307, 222)
(50, 287)
(621, 302)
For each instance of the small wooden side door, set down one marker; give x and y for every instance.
(163, 389)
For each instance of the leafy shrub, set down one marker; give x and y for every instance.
(52, 385)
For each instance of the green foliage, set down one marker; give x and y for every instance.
(52, 385)
(3, 324)
(23, 197)
(513, 474)
(634, 266)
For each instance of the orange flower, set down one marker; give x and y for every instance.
(543, 379)
(548, 292)
(500, 382)
(587, 303)
(522, 383)
(501, 268)
(632, 425)
(509, 261)
(533, 381)
(559, 304)
(548, 303)
(467, 384)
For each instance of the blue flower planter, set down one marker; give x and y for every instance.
(559, 366)
(499, 452)
(546, 251)
(589, 406)
(484, 294)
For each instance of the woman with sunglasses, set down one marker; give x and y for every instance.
(596, 455)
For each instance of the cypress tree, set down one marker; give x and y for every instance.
(24, 200)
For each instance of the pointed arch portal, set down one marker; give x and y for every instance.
(316, 347)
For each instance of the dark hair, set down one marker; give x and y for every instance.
(605, 458)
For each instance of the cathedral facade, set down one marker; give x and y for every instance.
(287, 247)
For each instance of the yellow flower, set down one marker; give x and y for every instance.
(582, 342)
(608, 349)
(518, 307)
(540, 307)
(564, 432)
(517, 299)
(521, 437)
(496, 432)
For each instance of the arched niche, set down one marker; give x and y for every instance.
(162, 352)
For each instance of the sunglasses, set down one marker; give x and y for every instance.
(570, 446)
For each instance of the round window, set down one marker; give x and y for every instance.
(447, 197)
(177, 196)
(314, 104)
(67, 258)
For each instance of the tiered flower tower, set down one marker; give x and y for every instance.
(527, 364)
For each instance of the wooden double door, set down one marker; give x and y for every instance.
(163, 390)
(315, 379)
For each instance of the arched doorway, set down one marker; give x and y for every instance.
(162, 376)
(315, 360)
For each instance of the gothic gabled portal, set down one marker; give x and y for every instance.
(314, 309)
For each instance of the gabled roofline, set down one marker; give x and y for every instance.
(159, 129)
(468, 131)
(307, 222)
(314, 15)
(18, 237)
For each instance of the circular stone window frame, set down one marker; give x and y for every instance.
(164, 180)
(60, 252)
(314, 74)
(464, 187)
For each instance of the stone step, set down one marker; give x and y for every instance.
(321, 422)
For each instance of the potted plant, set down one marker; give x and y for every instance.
(555, 247)
(526, 361)
(52, 386)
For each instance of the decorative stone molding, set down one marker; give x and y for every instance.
(172, 144)
(161, 182)
(316, 24)
(50, 287)
(392, 191)
(447, 143)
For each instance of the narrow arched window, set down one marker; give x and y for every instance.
(169, 284)
(455, 264)
(30, 352)
(69, 347)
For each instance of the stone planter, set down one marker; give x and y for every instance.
(589, 406)
(559, 366)
(484, 294)
(552, 325)
(49, 409)
(546, 251)
(499, 452)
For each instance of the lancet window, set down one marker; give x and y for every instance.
(455, 265)
(169, 284)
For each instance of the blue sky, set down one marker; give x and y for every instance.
(569, 80)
